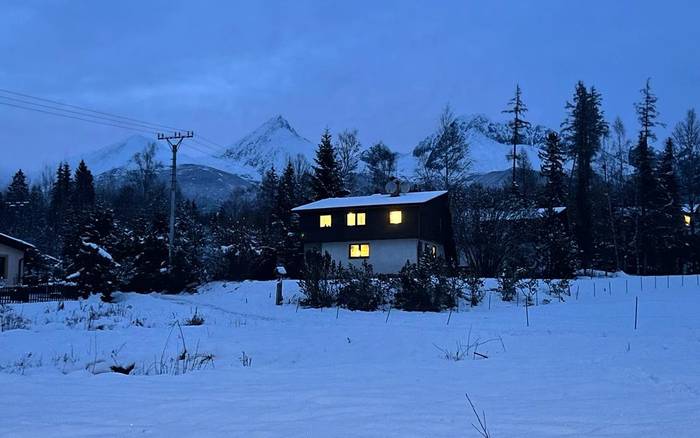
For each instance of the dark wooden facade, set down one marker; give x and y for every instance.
(430, 221)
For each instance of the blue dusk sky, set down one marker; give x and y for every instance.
(383, 67)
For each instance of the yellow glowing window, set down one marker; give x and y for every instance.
(686, 218)
(395, 217)
(325, 221)
(359, 250)
(356, 219)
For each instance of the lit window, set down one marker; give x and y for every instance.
(686, 218)
(395, 217)
(355, 219)
(433, 251)
(359, 250)
(325, 221)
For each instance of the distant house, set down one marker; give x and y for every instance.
(385, 230)
(12, 252)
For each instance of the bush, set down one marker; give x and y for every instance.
(360, 290)
(426, 286)
(195, 319)
(475, 285)
(507, 282)
(317, 281)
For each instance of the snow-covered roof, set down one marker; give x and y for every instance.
(372, 200)
(14, 242)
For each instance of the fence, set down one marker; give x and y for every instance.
(39, 293)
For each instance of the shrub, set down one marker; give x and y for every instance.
(195, 319)
(359, 289)
(426, 286)
(10, 320)
(317, 281)
(507, 283)
(475, 285)
(558, 288)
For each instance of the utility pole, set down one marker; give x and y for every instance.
(174, 141)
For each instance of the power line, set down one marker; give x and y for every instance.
(157, 125)
(132, 128)
(75, 112)
(110, 119)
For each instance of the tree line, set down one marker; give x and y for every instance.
(598, 201)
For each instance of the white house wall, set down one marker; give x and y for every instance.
(13, 257)
(385, 256)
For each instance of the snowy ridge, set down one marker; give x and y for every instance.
(120, 156)
(272, 144)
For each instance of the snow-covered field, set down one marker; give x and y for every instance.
(258, 370)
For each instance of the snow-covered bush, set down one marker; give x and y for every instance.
(10, 320)
(475, 286)
(317, 283)
(507, 283)
(427, 286)
(360, 289)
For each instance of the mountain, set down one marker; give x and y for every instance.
(272, 143)
(488, 146)
(206, 179)
(208, 186)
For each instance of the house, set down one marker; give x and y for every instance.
(386, 230)
(12, 252)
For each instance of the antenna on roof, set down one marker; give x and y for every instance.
(405, 186)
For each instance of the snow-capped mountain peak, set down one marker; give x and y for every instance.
(271, 144)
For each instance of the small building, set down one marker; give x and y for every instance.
(386, 230)
(12, 252)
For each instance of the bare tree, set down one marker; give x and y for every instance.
(687, 137)
(443, 157)
(347, 150)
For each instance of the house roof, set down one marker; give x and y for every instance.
(371, 201)
(14, 242)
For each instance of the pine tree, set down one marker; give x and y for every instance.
(517, 126)
(17, 203)
(670, 230)
(87, 252)
(287, 195)
(583, 131)
(552, 169)
(646, 184)
(326, 182)
(267, 196)
(18, 190)
(83, 195)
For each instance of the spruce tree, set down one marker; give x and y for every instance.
(17, 203)
(83, 195)
(326, 181)
(552, 170)
(646, 184)
(583, 131)
(517, 126)
(670, 217)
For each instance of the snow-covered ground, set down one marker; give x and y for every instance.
(580, 369)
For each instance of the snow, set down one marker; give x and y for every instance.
(579, 369)
(372, 200)
(271, 144)
(120, 156)
(16, 240)
(101, 251)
